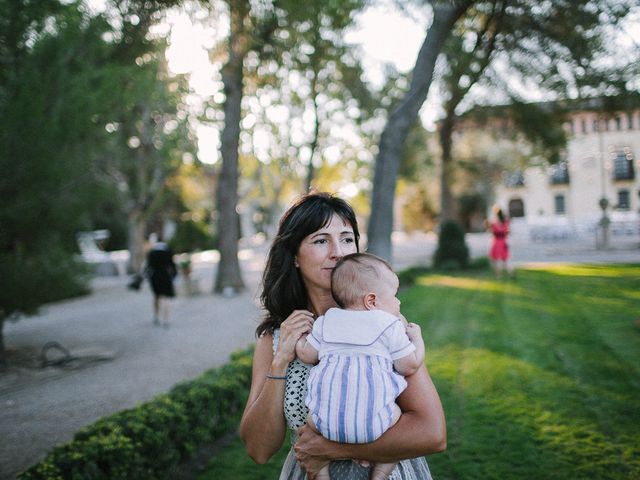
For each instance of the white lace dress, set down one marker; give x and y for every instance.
(295, 412)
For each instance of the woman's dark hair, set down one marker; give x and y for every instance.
(282, 288)
(500, 215)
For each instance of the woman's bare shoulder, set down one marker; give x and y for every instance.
(264, 345)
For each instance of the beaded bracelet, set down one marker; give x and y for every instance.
(276, 377)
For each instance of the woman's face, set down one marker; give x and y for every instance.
(319, 252)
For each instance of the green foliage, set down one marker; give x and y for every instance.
(47, 133)
(541, 125)
(192, 235)
(67, 88)
(418, 210)
(48, 136)
(471, 204)
(416, 157)
(148, 441)
(480, 263)
(31, 280)
(452, 251)
(408, 276)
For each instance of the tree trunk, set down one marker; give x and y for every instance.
(447, 208)
(398, 125)
(3, 352)
(229, 278)
(316, 134)
(482, 55)
(135, 240)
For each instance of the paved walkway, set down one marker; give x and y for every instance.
(125, 360)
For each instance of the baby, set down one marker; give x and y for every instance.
(362, 350)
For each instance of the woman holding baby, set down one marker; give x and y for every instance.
(314, 234)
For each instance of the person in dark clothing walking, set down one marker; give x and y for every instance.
(161, 270)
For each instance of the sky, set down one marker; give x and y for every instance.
(398, 45)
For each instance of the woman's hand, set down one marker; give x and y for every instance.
(309, 448)
(296, 325)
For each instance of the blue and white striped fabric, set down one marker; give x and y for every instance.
(351, 398)
(352, 391)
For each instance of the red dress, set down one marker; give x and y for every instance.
(499, 247)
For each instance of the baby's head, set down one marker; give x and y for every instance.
(363, 281)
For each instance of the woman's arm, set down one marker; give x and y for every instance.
(263, 426)
(421, 430)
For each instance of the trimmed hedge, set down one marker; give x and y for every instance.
(149, 441)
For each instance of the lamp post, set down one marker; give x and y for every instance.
(602, 240)
(603, 224)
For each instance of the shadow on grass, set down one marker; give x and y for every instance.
(510, 419)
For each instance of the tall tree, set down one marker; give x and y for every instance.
(554, 46)
(60, 83)
(249, 32)
(51, 87)
(445, 14)
(149, 130)
(150, 136)
(461, 76)
(328, 68)
(301, 36)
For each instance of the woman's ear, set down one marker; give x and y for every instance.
(370, 301)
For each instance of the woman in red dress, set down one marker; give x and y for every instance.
(499, 252)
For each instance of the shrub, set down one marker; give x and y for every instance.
(148, 441)
(408, 276)
(452, 251)
(480, 263)
(191, 236)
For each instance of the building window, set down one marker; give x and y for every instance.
(558, 202)
(630, 121)
(624, 198)
(583, 126)
(618, 123)
(516, 208)
(623, 165)
(559, 174)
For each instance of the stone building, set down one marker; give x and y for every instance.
(599, 169)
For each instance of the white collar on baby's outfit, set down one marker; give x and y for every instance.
(356, 327)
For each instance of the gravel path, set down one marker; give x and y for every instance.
(125, 360)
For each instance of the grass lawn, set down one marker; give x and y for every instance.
(539, 376)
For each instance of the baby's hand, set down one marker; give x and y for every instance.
(413, 331)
